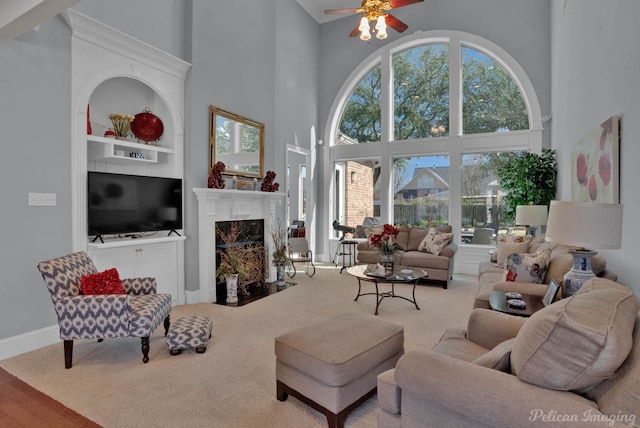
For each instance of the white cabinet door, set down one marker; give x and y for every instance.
(124, 259)
(163, 261)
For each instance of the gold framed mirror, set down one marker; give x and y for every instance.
(236, 141)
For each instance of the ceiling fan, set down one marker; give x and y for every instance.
(375, 10)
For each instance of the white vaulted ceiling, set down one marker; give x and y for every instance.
(316, 8)
(19, 16)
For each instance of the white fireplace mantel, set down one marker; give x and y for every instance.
(215, 205)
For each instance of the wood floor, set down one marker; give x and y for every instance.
(24, 406)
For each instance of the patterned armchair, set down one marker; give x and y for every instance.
(134, 314)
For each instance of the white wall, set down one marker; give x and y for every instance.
(595, 69)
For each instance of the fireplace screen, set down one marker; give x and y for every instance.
(250, 237)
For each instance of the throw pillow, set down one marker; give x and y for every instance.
(433, 243)
(107, 282)
(505, 249)
(527, 267)
(577, 342)
(369, 231)
(503, 238)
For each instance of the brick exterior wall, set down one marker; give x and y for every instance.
(358, 193)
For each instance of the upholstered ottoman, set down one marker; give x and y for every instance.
(332, 365)
(189, 332)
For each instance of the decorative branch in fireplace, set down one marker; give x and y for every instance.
(240, 249)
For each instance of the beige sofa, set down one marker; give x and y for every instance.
(438, 267)
(490, 274)
(575, 363)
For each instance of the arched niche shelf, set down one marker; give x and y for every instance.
(130, 95)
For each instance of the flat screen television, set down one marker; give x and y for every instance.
(132, 204)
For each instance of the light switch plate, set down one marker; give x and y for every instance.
(42, 199)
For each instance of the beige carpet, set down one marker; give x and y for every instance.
(233, 383)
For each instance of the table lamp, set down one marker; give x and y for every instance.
(531, 216)
(583, 225)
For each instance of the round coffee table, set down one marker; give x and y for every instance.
(367, 273)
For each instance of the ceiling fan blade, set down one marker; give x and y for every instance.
(400, 3)
(395, 23)
(348, 10)
(356, 31)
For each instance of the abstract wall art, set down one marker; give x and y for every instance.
(596, 165)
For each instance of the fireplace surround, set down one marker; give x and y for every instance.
(222, 205)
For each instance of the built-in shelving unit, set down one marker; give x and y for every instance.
(113, 72)
(112, 150)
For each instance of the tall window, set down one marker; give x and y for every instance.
(360, 122)
(428, 163)
(491, 100)
(357, 191)
(421, 191)
(421, 92)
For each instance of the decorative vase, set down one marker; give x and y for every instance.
(232, 288)
(280, 274)
(89, 130)
(580, 273)
(386, 260)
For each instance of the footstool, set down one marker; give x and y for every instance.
(189, 332)
(332, 365)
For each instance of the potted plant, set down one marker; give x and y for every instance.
(526, 178)
(232, 261)
(280, 255)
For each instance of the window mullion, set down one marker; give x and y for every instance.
(455, 87)
(386, 97)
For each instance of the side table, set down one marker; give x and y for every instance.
(346, 250)
(498, 302)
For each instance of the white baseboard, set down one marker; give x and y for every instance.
(30, 341)
(193, 297)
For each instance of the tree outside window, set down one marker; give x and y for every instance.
(420, 84)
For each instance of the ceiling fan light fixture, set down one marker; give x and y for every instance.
(381, 28)
(365, 34)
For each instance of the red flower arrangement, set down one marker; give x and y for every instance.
(384, 240)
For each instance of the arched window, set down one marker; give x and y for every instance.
(435, 110)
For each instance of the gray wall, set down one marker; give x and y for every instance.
(255, 58)
(35, 119)
(285, 70)
(595, 68)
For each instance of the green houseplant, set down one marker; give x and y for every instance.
(526, 178)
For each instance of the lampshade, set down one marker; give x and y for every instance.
(588, 225)
(381, 28)
(531, 215)
(364, 29)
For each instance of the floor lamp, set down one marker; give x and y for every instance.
(583, 225)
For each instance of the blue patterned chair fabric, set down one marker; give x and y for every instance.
(135, 314)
